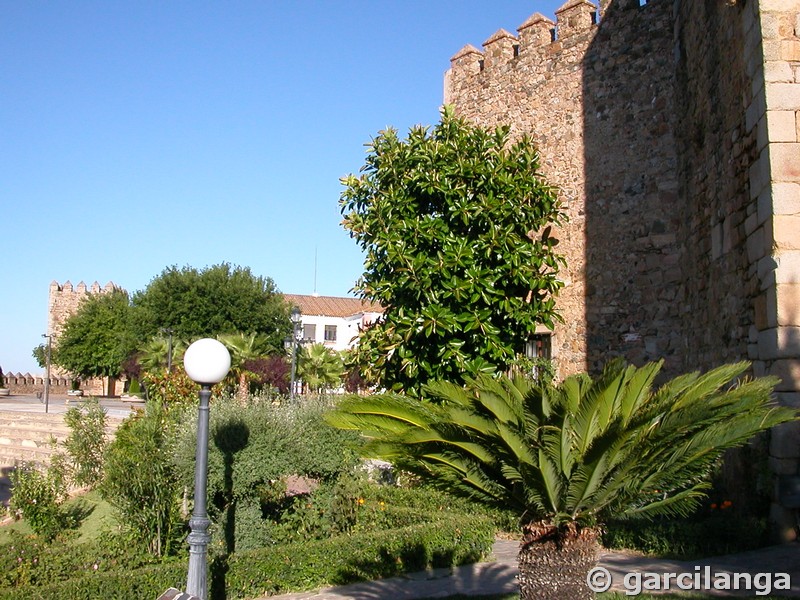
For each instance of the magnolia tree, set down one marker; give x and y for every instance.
(454, 222)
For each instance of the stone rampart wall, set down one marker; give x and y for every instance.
(604, 132)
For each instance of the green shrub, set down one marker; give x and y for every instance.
(252, 449)
(37, 496)
(686, 539)
(147, 582)
(29, 561)
(344, 559)
(86, 442)
(141, 482)
(307, 565)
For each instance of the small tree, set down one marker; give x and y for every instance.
(220, 299)
(454, 224)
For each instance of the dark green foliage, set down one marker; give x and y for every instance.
(141, 482)
(86, 442)
(575, 454)
(686, 539)
(145, 582)
(283, 568)
(40, 354)
(344, 559)
(454, 221)
(98, 337)
(27, 561)
(252, 450)
(37, 495)
(208, 302)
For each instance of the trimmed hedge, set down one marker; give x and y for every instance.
(457, 539)
(146, 583)
(345, 559)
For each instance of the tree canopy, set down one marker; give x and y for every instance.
(454, 222)
(208, 302)
(98, 337)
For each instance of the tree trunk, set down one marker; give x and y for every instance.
(554, 563)
(244, 389)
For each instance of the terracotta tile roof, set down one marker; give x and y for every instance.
(331, 306)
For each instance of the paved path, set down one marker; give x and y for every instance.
(499, 575)
(60, 404)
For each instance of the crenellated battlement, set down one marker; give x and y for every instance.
(539, 39)
(541, 45)
(65, 298)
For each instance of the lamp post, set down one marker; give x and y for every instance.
(168, 331)
(207, 362)
(296, 319)
(47, 373)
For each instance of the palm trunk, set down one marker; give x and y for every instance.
(554, 563)
(244, 389)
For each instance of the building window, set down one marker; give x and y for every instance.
(330, 333)
(539, 346)
(310, 332)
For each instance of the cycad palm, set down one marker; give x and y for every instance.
(569, 457)
(244, 348)
(155, 355)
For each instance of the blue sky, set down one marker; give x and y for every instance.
(138, 135)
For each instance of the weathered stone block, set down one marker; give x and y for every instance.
(785, 198)
(786, 232)
(755, 245)
(778, 72)
(782, 125)
(790, 399)
(783, 466)
(779, 342)
(788, 270)
(788, 304)
(788, 369)
(783, 96)
(785, 160)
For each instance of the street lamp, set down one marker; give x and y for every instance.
(296, 319)
(168, 331)
(207, 362)
(47, 374)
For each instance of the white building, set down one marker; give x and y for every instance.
(333, 321)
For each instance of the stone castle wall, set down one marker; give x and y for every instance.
(604, 136)
(672, 129)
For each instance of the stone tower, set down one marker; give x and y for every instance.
(672, 129)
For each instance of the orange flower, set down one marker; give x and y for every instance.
(713, 506)
(727, 504)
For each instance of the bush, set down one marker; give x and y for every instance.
(37, 496)
(29, 561)
(687, 539)
(86, 442)
(300, 566)
(344, 559)
(141, 482)
(147, 582)
(252, 449)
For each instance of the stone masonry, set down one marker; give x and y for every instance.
(672, 130)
